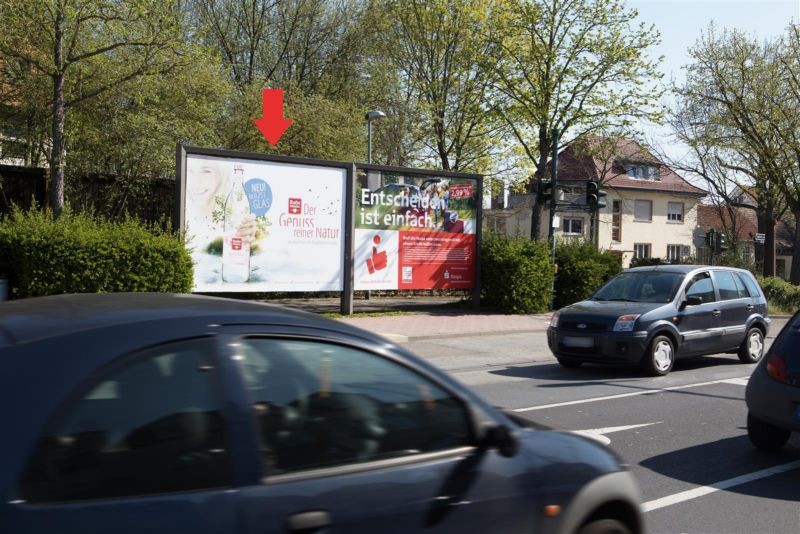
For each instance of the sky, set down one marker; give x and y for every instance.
(681, 22)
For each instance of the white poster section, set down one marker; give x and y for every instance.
(264, 226)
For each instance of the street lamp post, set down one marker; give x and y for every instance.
(370, 116)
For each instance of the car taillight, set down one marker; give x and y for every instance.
(776, 367)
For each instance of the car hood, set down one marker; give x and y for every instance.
(605, 312)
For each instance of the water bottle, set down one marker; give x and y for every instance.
(236, 249)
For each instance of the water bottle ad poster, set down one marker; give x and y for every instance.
(264, 226)
(415, 231)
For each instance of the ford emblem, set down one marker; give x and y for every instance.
(581, 325)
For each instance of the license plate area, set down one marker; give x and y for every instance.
(578, 342)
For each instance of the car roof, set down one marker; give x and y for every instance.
(683, 269)
(27, 320)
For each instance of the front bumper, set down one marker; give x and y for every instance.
(597, 347)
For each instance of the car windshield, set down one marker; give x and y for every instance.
(644, 286)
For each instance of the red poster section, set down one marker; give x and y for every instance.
(436, 260)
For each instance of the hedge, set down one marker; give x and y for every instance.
(80, 254)
(582, 270)
(780, 293)
(516, 276)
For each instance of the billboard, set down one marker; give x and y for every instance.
(259, 225)
(415, 231)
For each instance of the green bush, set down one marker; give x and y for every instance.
(516, 276)
(80, 254)
(582, 269)
(780, 293)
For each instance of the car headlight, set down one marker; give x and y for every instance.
(625, 323)
(554, 320)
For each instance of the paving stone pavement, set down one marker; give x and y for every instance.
(424, 317)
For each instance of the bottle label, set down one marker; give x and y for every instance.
(236, 250)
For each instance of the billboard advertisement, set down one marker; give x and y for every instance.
(257, 226)
(415, 231)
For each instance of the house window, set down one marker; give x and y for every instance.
(643, 210)
(641, 250)
(616, 220)
(642, 172)
(675, 212)
(675, 253)
(573, 226)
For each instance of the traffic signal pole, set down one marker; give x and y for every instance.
(551, 232)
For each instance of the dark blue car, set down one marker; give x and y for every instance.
(177, 413)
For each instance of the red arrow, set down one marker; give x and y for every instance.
(272, 124)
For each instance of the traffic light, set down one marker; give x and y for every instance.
(720, 244)
(544, 191)
(711, 241)
(594, 195)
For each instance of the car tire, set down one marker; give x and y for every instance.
(569, 363)
(659, 357)
(605, 526)
(752, 348)
(765, 436)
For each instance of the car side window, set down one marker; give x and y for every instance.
(148, 425)
(728, 290)
(701, 286)
(322, 405)
(743, 292)
(750, 284)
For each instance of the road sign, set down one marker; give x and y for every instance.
(759, 238)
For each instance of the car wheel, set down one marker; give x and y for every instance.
(752, 347)
(659, 357)
(605, 526)
(765, 436)
(569, 363)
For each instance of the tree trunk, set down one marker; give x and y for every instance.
(794, 276)
(59, 116)
(769, 240)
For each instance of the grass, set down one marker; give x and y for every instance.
(774, 309)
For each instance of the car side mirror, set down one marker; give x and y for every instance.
(492, 435)
(694, 300)
(503, 439)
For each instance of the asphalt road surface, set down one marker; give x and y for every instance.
(684, 435)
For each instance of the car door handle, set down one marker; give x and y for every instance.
(716, 313)
(750, 307)
(308, 521)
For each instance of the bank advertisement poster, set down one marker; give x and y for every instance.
(414, 231)
(264, 226)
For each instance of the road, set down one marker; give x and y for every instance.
(684, 435)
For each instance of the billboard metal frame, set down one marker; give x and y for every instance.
(351, 170)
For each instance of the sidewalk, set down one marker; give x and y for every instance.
(426, 317)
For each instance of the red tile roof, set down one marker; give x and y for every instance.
(581, 165)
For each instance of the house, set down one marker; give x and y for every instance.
(741, 224)
(651, 211)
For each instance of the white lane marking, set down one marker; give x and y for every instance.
(622, 395)
(683, 496)
(599, 434)
(737, 381)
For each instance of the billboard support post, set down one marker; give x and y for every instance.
(346, 306)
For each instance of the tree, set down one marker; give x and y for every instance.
(577, 65)
(786, 102)
(438, 47)
(725, 114)
(86, 48)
